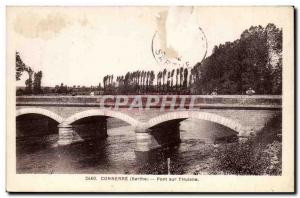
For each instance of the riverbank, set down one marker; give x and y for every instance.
(257, 155)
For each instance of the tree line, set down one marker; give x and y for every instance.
(252, 61)
(174, 81)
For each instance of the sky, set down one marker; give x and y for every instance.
(80, 45)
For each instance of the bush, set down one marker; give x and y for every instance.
(257, 155)
(241, 159)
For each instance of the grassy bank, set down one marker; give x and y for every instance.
(256, 155)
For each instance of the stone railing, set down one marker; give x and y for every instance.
(199, 101)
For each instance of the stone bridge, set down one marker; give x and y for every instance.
(156, 123)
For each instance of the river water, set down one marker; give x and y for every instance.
(115, 154)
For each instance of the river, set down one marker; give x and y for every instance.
(115, 154)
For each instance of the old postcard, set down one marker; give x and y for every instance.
(150, 99)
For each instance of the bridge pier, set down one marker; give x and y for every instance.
(65, 134)
(146, 142)
(161, 136)
(89, 129)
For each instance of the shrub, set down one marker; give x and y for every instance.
(257, 155)
(240, 159)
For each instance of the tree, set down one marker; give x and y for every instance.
(181, 77)
(164, 76)
(185, 78)
(147, 80)
(104, 82)
(168, 81)
(143, 80)
(37, 82)
(190, 80)
(29, 81)
(139, 76)
(20, 66)
(177, 73)
(172, 78)
(159, 74)
(152, 77)
(63, 89)
(111, 79)
(127, 82)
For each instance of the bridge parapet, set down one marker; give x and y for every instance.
(186, 101)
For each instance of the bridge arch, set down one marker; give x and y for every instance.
(101, 112)
(232, 124)
(40, 111)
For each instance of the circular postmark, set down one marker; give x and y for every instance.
(180, 49)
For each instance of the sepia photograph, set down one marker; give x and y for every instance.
(176, 96)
